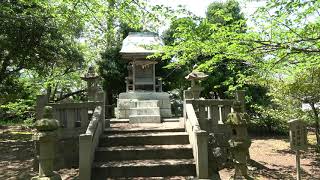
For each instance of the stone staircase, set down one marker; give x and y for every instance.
(144, 151)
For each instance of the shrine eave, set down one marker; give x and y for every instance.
(136, 55)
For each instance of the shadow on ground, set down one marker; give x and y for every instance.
(278, 172)
(16, 155)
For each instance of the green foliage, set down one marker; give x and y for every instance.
(35, 56)
(43, 44)
(289, 34)
(289, 40)
(113, 72)
(215, 44)
(211, 43)
(15, 112)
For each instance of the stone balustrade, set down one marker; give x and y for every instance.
(88, 143)
(199, 141)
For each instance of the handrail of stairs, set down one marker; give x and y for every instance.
(199, 140)
(88, 143)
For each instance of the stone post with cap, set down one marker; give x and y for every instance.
(46, 135)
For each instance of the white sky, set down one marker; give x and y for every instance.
(199, 7)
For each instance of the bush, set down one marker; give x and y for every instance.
(17, 112)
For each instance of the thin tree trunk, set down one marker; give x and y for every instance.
(316, 119)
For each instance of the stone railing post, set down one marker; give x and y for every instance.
(101, 97)
(201, 138)
(47, 136)
(202, 118)
(85, 145)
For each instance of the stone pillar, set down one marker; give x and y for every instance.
(202, 154)
(47, 136)
(101, 96)
(239, 142)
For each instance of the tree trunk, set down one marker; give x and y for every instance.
(316, 119)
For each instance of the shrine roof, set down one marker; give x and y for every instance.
(140, 44)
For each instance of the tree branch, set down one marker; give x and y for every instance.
(70, 94)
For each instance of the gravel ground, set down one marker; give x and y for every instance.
(271, 158)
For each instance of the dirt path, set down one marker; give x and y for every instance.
(272, 158)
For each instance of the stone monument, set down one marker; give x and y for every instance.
(298, 140)
(47, 136)
(143, 100)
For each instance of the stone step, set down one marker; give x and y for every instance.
(131, 139)
(144, 168)
(116, 120)
(142, 130)
(155, 178)
(147, 103)
(116, 128)
(104, 154)
(144, 118)
(144, 111)
(164, 120)
(171, 120)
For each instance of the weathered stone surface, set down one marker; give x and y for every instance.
(144, 95)
(239, 141)
(144, 119)
(47, 136)
(165, 113)
(128, 103)
(145, 111)
(47, 123)
(148, 103)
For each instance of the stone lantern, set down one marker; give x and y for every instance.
(92, 80)
(239, 142)
(195, 77)
(47, 136)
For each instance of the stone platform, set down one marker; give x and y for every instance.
(143, 107)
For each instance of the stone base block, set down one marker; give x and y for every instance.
(166, 112)
(126, 103)
(145, 119)
(144, 111)
(129, 99)
(134, 100)
(148, 103)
